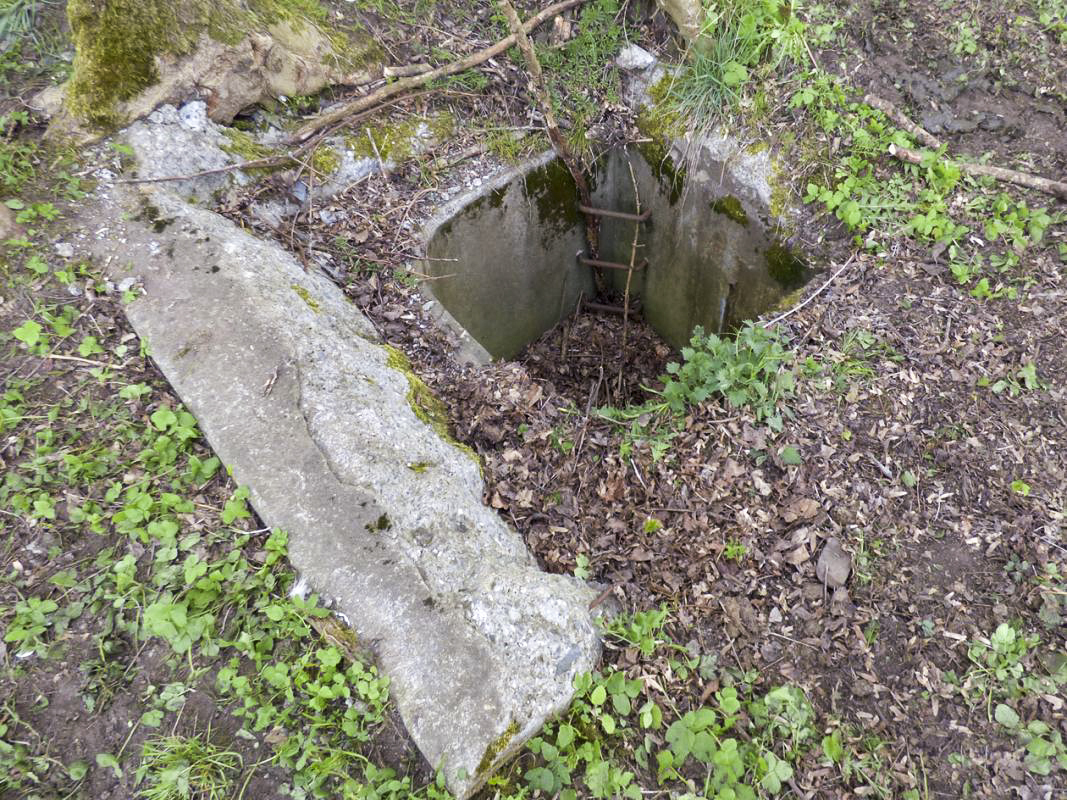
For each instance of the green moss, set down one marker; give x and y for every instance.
(553, 189)
(785, 267)
(731, 207)
(424, 402)
(671, 177)
(305, 295)
(660, 119)
(395, 141)
(244, 146)
(419, 467)
(116, 43)
(495, 748)
(383, 523)
(325, 161)
(352, 48)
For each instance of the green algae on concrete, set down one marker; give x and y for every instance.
(731, 207)
(786, 267)
(553, 190)
(495, 748)
(305, 295)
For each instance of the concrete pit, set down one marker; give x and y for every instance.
(504, 259)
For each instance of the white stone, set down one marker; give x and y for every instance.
(633, 57)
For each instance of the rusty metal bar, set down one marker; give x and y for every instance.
(603, 212)
(593, 262)
(601, 307)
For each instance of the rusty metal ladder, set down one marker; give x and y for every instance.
(595, 262)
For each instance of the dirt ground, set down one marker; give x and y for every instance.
(917, 438)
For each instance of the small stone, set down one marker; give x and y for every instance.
(633, 57)
(64, 249)
(9, 229)
(193, 116)
(834, 564)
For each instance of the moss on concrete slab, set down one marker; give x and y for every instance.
(426, 405)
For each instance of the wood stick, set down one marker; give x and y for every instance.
(269, 161)
(900, 118)
(811, 297)
(629, 278)
(378, 96)
(537, 81)
(1056, 188)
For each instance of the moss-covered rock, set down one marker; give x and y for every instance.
(117, 43)
(132, 55)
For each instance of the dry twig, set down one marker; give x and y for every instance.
(629, 278)
(900, 118)
(1056, 188)
(388, 91)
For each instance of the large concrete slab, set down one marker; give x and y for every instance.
(337, 444)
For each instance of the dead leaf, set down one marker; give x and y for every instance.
(834, 565)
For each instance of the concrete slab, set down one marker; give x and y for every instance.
(341, 445)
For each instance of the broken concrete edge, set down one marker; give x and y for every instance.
(510, 651)
(467, 349)
(175, 141)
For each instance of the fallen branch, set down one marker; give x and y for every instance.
(537, 81)
(271, 161)
(267, 161)
(379, 96)
(900, 118)
(1056, 188)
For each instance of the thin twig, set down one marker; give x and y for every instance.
(815, 294)
(82, 361)
(1056, 188)
(600, 598)
(629, 278)
(378, 155)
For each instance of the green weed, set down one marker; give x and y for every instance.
(182, 767)
(737, 39)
